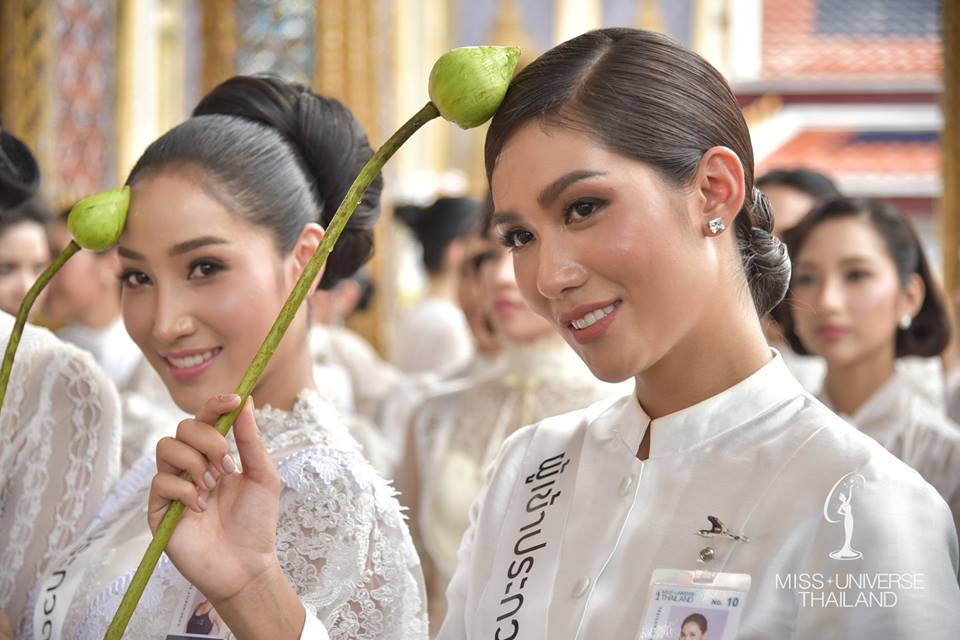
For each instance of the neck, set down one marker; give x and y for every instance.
(443, 285)
(709, 360)
(102, 314)
(850, 385)
(289, 374)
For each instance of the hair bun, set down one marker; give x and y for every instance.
(765, 260)
(329, 144)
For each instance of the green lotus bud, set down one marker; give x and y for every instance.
(97, 221)
(467, 84)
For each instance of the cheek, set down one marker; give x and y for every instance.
(873, 306)
(246, 305)
(138, 310)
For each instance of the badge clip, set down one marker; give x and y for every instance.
(718, 529)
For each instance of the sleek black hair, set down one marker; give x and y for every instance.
(813, 183)
(19, 172)
(282, 156)
(929, 333)
(644, 96)
(438, 225)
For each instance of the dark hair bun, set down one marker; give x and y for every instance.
(19, 173)
(765, 259)
(329, 144)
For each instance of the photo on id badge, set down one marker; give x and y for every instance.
(682, 605)
(197, 619)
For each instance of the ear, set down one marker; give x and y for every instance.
(719, 185)
(911, 297)
(307, 244)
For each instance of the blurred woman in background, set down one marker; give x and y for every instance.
(24, 252)
(862, 296)
(433, 336)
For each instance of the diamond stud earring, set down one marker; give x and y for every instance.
(716, 226)
(905, 321)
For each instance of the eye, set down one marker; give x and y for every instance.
(516, 238)
(6, 268)
(133, 279)
(204, 269)
(803, 280)
(857, 275)
(582, 208)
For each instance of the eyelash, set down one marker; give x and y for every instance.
(509, 237)
(127, 275)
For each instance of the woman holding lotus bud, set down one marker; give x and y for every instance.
(621, 171)
(225, 211)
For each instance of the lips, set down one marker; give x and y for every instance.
(188, 364)
(588, 322)
(505, 306)
(831, 333)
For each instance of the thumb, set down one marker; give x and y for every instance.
(254, 458)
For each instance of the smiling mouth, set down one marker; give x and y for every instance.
(593, 317)
(191, 361)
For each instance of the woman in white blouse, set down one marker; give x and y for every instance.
(306, 540)
(863, 296)
(622, 176)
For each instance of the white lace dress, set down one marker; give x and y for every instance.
(59, 457)
(341, 541)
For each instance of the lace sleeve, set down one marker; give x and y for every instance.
(60, 455)
(343, 544)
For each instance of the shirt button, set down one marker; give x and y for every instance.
(580, 587)
(625, 485)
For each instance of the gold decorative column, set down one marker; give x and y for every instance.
(950, 143)
(350, 64)
(26, 73)
(219, 28)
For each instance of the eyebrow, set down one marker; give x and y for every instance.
(548, 196)
(553, 190)
(189, 245)
(176, 250)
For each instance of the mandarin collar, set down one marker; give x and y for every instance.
(768, 387)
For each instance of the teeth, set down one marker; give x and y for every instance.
(191, 361)
(593, 317)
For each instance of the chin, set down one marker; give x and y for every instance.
(609, 370)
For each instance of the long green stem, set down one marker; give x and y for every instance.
(300, 291)
(24, 312)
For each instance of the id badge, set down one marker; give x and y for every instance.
(694, 604)
(196, 618)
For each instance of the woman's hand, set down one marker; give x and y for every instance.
(226, 538)
(225, 545)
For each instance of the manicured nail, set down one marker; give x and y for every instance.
(201, 503)
(209, 480)
(228, 397)
(228, 464)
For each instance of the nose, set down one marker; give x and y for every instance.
(830, 295)
(558, 270)
(172, 319)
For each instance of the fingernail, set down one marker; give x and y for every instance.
(228, 397)
(201, 503)
(209, 480)
(228, 464)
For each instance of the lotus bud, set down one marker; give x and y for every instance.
(467, 84)
(97, 221)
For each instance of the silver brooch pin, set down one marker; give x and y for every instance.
(719, 529)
